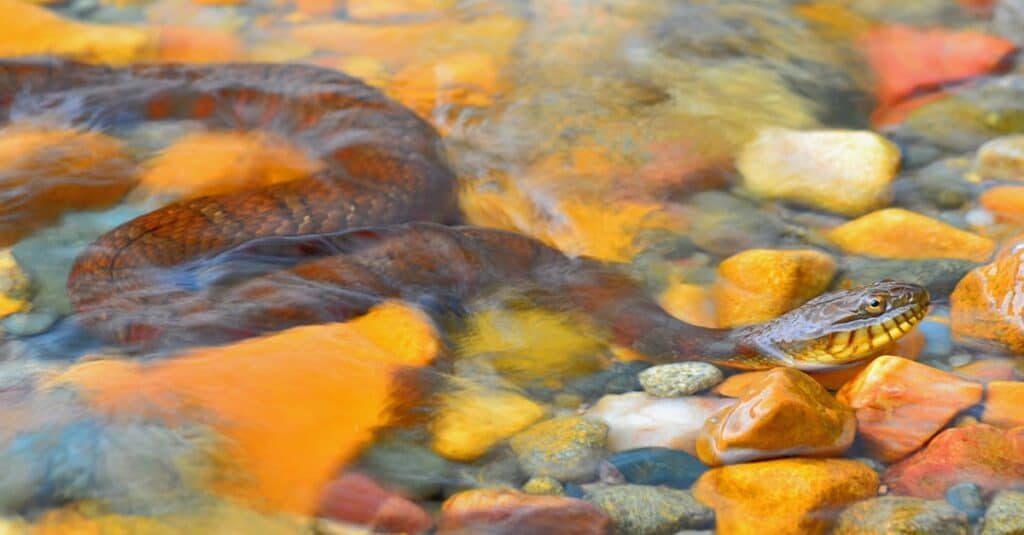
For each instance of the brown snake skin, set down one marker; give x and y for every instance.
(326, 248)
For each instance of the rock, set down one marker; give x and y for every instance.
(988, 370)
(411, 468)
(1005, 515)
(902, 234)
(679, 379)
(620, 378)
(645, 510)
(760, 284)
(691, 303)
(1008, 20)
(637, 420)
(658, 466)
(471, 421)
(15, 286)
(938, 337)
(941, 184)
(783, 496)
(939, 276)
(1001, 159)
(989, 457)
(455, 81)
(382, 9)
(544, 486)
(1005, 203)
(809, 167)
(785, 413)
(502, 511)
(900, 404)
(967, 498)
(986, 307)
(28, 323)
(357, 499)
(499, 469)
(900, 514)
(566, 448)
(1003, 402)
(724, 224)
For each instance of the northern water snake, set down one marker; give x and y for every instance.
(370, 226)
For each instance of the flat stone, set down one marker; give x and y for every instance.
(646, 510)
(896, 233)
(901, 514)
(679, 379)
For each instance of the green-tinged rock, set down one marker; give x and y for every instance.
(544, 485)
(644, 510)
(1005, 515)
(899, 515)
(941, 184)
(566, 448)
(411, 468)
(679, 379)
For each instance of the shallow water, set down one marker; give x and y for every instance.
(644, 134)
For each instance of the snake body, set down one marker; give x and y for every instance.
(372, 225)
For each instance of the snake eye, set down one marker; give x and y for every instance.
(874, 305)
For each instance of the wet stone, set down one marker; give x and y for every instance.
(566, 448)
(646, 510)
(1001, 159)
(620, 378)
(679, 379)
(938, 337)
(358, 499)
(658, 466)
(967, 498)
(544, 485)
(939, 276)
(899, 514)
(940, 184)
(411, 468)
(506, 511)
(1005, 515)
(986, 308)
(1003, 402)
(724, 224)
(637, 420)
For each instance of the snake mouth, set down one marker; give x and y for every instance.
(849, 345)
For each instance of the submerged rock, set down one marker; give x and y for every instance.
(637, 420)
(414, 469)
(470, 422)
(566, 448)
(1005, 515)
(903, 515)
(1003, 403)
(658, 466)
(901, 234)
(986, 307)
(1001, 159)
(504, 511)
(939, 276)
(679, 379)
(646, 510)
(967, 497)
(357, 499)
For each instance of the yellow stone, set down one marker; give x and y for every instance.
(902, 234)
(469, 422)
(691, 303)
(30, 30)
(462, 79)
(843, 171)
(213, 163)
(760, 284)
(15, 285)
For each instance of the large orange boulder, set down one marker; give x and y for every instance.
(988, 304)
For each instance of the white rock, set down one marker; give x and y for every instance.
(637, 420)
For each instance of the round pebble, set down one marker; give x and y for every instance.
(679, 379)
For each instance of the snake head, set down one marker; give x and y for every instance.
(840, 328)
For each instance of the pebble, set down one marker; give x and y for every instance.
(1005, 515)
(544, 485)
(1004, 204)
(567, 448)
(967, 498)
(506, 511)
(785, 413)
(357, 499)
(724, 224)
(415, 470)
(783, 496)
(900, 514)
(658, 466)
(897, 233)
(940, 184)
(809, 167)
(939, 276)
(760, 284)
(987, 456)
(470, 422)
(987, 305)
(1001, 159)
(679, 379)
(900, 404)
(638, 420)
(620, 378)
(647, 510)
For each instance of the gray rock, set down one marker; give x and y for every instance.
(967, 497)
(901, 515)
(939, 276)
(415, 470)
(940, 185)
(643, 510)
(567, 448)
(28, 323)
(620, 378)
(724, 224)
(680, 379)
(1005, 515)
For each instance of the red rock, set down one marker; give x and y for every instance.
(506, 511)
(784, 414)
(1004, 401)
(357, 499)
(900, 404)
(909, 60)
(989, 457)
(987, 305)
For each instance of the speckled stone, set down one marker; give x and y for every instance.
(566, 448)
(645, 510)
(1005, 515)
(899, 514)
(680, 379)
(544, 485)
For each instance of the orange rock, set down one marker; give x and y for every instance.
(784, 414)
(888, 115)
(506, 511)
(378, 9)
(52, 170)
(735, 385)
(899, 233)
(463, 79)
(30, 30)
(900, 404)
(357, 499)
(783, 496)
(988, 303)
(211, 163)
(292, 407)
(987, 370)
(1006, 203)
(760, 284)
(319, 7)
(691, 303)
(198, 45)
(1003, 402)
(908, 60)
